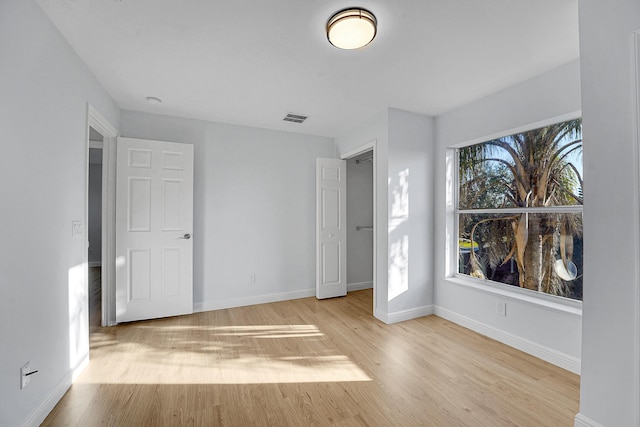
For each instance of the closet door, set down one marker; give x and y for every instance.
(331, 228)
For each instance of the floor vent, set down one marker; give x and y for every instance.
(295, 118)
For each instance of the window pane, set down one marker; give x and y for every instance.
(541, 167)
(541, 252)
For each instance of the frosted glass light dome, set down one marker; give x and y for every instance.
(351, 28)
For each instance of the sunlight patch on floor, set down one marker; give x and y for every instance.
(255, 331)
(192, 354)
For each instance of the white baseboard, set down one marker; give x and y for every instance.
(40, 413)
(557, 358)
(401, 316)
(582, 421)
(252, 300)
(359, 286)
(380, 315)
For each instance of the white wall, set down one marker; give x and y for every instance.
(254, 207)
(375, 130)
(359, 213)
(43, 116)
(609, 386)
(403, 155)
(551, 331)
(410, 210)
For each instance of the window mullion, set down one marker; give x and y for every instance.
(550, 209)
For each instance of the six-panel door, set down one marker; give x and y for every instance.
(154, 223)
(331, 232)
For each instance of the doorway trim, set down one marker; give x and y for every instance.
(636, 124)
(109, 135)
(370, 146)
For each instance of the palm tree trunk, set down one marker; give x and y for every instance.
(533, 256)
(539, 258)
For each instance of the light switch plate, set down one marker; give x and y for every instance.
(76, 228)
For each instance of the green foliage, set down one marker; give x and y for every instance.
(528, 169)
(523, 170)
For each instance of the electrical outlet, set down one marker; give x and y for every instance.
(502, 308)
(24, 377)
(252, 278)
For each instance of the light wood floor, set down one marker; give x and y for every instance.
(309, 362)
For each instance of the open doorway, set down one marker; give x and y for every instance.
(360, 224)
(94, 227)
(361, 201)
(100, 248)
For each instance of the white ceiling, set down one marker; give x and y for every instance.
(250, 61)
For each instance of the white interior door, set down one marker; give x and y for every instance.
(331, 232)
(154, 222)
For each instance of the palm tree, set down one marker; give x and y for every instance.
(531, 169)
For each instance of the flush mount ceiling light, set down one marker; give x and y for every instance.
(351, 28)
(154, 100)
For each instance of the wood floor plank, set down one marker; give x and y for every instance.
(310, 362)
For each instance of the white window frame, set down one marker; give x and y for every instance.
(553, 302)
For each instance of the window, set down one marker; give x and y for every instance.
(519, 210)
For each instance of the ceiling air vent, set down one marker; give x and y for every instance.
(295, 118)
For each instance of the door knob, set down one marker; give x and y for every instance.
(186, 236)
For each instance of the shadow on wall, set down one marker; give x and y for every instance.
(398, 235)
(78, 316)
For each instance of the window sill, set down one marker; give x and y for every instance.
(547, 302)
